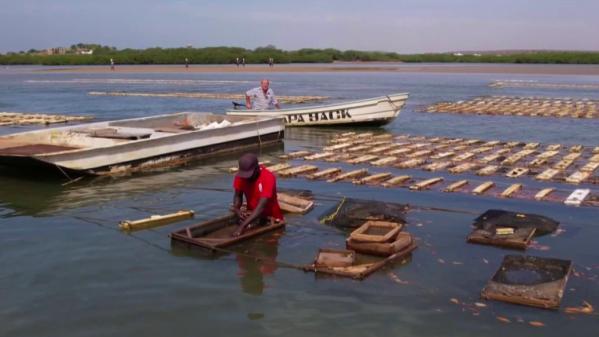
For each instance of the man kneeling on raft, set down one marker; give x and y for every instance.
(259, 186)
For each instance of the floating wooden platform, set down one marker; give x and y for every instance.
(20, 118)
(459, 156)
(521, 106)
(543, 85)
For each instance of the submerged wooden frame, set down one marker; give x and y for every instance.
(189, 235)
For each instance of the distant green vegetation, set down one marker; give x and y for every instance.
(226, 55)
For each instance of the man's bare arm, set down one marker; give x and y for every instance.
(248, 102)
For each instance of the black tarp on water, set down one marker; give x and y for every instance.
(499, 218)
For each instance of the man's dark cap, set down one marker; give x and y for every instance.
(247, 165)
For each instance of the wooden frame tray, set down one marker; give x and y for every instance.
(519, 240)
(214, 234)
(547, 293)
(361, 271)
(360, 234)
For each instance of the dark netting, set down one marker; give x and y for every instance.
(493, 218)
(352, 213)
(530, 270)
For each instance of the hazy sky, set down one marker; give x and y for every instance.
(403, 26)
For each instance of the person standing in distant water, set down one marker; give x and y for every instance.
(186, 63)
(271, 62)
(262, 97)
(237, 62)
(111, 64)
(243, 61)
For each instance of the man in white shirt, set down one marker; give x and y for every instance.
(261, 98)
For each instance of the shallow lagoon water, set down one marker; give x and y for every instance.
(66, 269)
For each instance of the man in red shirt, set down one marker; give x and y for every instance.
(259, 186)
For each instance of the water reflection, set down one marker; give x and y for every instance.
(258, 260)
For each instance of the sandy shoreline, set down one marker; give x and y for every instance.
(451, 68)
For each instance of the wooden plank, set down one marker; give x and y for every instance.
(462, 157)
(337, 147)
(517, 172)
(396, 181)
(419, 153)
(494, 156)
(590, 167)
(509, 192)
(324, 174)
(578, 177)
(463, 168)
(482, 188)
(359, 148)
(542, 194)
(384, 161)
(278, 167)
(456, 186)
(567, 161)
(294, 171)
(362, 159)
(548, 174)
(411, 163)
(576, 148)
(381, 149)
(487, 170)
(349, 175)
(425, 184)
(375, 178)
(155, 220)
(437, 166)
(516, 157)
(319, 156)
(443, 155)
(399, 152)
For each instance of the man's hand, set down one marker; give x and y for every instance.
(238, 231)
(239, 213)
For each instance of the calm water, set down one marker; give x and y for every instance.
(66, 270)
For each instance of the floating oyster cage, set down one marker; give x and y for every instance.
(521, 106)
(529, 280)
(496, 168)
(337, 262)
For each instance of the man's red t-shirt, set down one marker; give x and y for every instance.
(265, 186)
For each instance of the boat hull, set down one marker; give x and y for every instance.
(139, 155)
(375, 111)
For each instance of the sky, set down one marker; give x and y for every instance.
(404, 26)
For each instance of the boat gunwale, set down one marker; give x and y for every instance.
(308, 109)
(43, 156)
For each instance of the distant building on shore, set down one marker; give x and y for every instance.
(56, 51)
